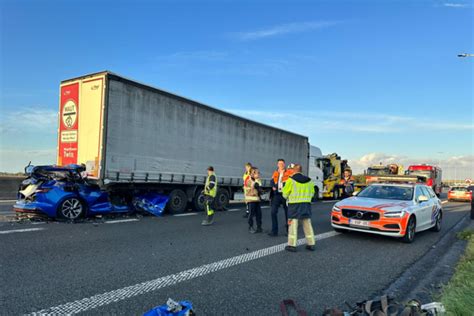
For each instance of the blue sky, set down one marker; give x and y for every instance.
(371, 80)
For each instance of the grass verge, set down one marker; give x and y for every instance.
(458, 294)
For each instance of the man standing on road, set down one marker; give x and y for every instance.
(299, 190)
(248, 166)
(347, 184)
(252, 198)
(278, 182)
(210, 190)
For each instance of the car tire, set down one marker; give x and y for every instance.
(71, 209)
(410, 231)
(437, 227)
(222, 199)
(178, 202)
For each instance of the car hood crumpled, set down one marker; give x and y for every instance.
(377, 204)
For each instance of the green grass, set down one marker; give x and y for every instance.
(458, 295)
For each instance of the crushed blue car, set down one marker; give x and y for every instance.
(63, 192)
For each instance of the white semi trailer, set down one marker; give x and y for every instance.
(134, 136)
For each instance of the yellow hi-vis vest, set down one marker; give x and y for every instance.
(211, 192)
(295, 192)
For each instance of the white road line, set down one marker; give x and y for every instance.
(333, 201)
(444, 202)
(20, 230)
(114, 296)
(185, 214)
(235, 210)
(7, 201)
(122, 221)
(266, 206)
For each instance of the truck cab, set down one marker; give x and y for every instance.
(315, 172)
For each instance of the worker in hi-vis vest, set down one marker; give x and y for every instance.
(210, 191)
(299, 191)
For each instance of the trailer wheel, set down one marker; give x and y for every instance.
(198, 201)
(222, 199)
(178, 202)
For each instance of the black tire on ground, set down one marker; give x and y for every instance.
(222, 199)
(410, 232)
(198, 201)
(437, 227)
(178, 202)
(71, 209)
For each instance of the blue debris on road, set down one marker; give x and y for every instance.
(153, 203)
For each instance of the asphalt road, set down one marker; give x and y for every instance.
(126, 268)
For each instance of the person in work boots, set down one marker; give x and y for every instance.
(280, 176)
(298, 191)
(252, 198)
(248, 166)
(210, 191)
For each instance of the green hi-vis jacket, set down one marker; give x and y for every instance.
(210, 187)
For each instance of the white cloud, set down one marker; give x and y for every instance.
(284, 29)
(454, 167)
(29, 118)
(15, 160)
(455, 5)
(306, 122)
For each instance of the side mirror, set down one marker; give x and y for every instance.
(423, 198)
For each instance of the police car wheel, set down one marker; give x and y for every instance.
(410, 231)
(437, 226)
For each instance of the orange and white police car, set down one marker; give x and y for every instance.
(390, 209)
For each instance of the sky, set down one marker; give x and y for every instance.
(374, 81)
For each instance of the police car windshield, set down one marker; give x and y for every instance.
(389, 192)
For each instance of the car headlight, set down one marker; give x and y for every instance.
(397, 214)
(336, 209)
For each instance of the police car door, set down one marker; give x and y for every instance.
(423, 209)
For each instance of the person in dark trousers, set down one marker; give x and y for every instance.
(278, 182)
(299, 191)
(210, 191)
(248, 166)
(347, 184)
(252, 198)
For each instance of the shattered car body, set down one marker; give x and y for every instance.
(62, 191)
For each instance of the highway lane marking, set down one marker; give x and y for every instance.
(114, 296)
(266, 206)
(122, 221)
(7, 201)
(444, 202)
(333, 201)
(235, 210)
(20, 230)
(185, 214)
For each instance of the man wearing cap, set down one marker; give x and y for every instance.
(210, 191)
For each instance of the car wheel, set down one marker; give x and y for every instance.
(178, 202)
(410, 231)
(198, 201)
(71, 209)
(437, 226)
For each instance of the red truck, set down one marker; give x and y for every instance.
(432, 173)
